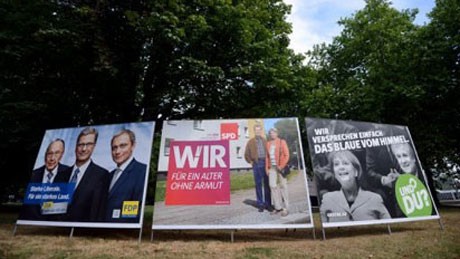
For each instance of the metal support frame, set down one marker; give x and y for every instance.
(140, 235)
(14, 229)
(441, 226)
(232, 237)
(71, 232)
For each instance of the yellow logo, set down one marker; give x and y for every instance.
(130, 209)
(47, 205)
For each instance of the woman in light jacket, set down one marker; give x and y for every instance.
(350, 203)
(277, 159)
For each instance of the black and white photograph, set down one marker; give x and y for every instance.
(367, 173)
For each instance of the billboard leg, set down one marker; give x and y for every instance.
(71, 232)
(140, 235)
(232, 238)
(389, 229)
(324, 234)
(441, 226)
(14, 229)
(151, 236)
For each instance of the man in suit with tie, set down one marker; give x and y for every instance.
(127, 180)
(51, 172)
(90, 195)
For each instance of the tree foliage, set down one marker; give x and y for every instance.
(65, 63)
(383, 68)
(69, 63)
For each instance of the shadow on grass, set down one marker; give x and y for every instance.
(241, 236)
(376, 230)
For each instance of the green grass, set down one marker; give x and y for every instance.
(258, 252)
(421, 239)
(148, 214)
(241, 180)
(160, 190)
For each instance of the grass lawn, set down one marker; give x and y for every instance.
(421, 239)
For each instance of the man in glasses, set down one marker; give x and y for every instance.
(91, 181)
(51, 172)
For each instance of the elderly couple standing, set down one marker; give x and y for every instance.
(267, 159)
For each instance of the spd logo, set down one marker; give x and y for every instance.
(130, 209)
(229, 131)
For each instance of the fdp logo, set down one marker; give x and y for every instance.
(229, 131)
(130, 209)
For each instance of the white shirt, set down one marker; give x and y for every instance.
(82, 171)
(272, 153)
(45, 175)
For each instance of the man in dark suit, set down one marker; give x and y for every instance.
(89, 198)
(51, 172)
(127, 180)
(383, 171)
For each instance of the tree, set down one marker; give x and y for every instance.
(70, 63)
(383, 68)
(211, 59)
(364, 73)
(62, 64)
(437, 54)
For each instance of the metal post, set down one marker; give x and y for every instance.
(151, 236)
(314, 233)
(232, 239)
(71, 232)
(441, 226)
(140, 235)
(389, 229)
(324, 234)
(14, 229)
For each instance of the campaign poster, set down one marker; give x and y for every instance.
(231, 174)
(94, 176)
(367, 173)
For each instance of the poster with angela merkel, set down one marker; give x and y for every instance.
(231, 174)
(367, 173)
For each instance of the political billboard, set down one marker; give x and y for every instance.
(93, 176)
(231, 174)
(367, 173)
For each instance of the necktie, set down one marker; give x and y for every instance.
(49, 176)
(75, 176)
(114, 178)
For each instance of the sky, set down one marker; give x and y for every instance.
(315, 21)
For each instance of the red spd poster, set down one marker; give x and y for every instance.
(198, 173)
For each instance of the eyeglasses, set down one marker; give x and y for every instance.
(82, 145)
(57, 153)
